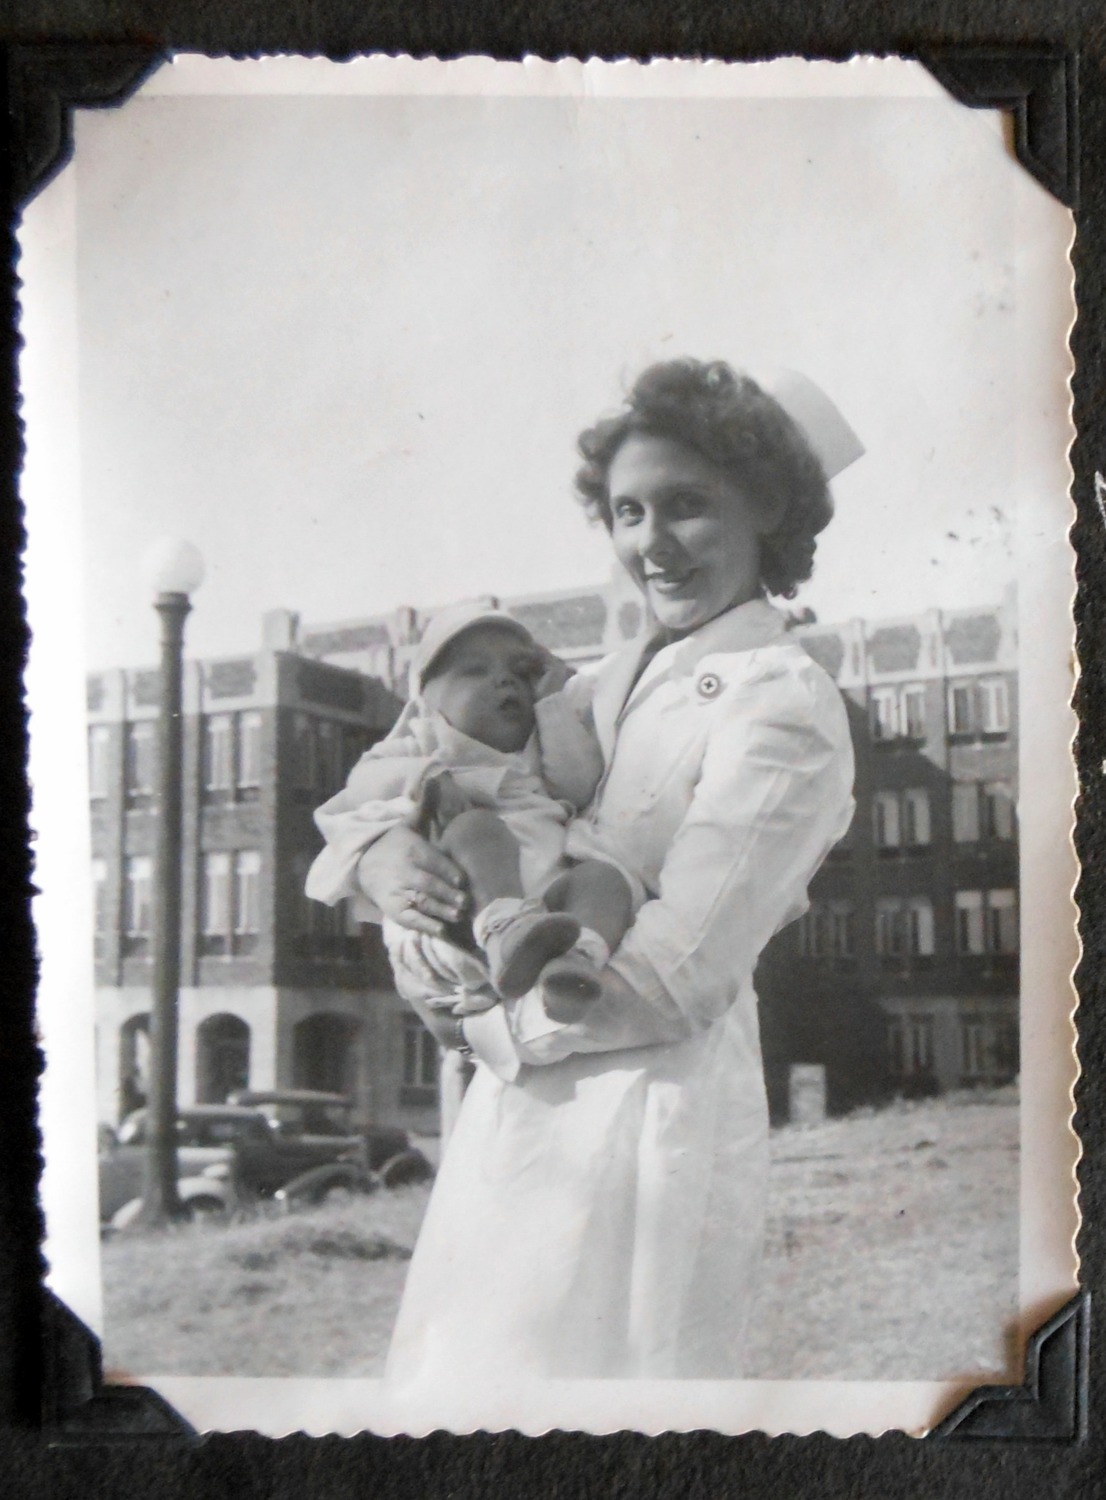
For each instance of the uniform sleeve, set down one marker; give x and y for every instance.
(376, 797)
(571, 760)
(774, 794)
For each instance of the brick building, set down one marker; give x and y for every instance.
(275, 989)
(903, 975)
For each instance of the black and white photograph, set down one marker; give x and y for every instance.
(550, 743)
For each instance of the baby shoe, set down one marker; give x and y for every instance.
(573, 979)
(518, 944)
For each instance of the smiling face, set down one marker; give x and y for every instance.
(483, 683)
(683, 530)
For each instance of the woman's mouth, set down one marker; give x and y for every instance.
(668, 580)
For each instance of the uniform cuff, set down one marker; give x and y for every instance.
(489, 1036)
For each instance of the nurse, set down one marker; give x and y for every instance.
(599, 1211)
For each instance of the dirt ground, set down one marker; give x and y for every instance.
(891, 1254)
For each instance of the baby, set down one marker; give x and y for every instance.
(489, 760)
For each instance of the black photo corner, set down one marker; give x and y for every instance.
(65, 1430)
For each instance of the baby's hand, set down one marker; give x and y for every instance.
(554, 674)
(446, 798)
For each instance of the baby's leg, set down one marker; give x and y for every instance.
(518, 937)
(486, 849)
(597, 895)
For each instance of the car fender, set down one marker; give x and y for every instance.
(405, 1168)
(316, 1182)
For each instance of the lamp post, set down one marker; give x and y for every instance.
(174, 569)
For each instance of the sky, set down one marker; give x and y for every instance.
(346, 344)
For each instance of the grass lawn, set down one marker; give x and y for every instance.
(891, 1254)
(892, 1248)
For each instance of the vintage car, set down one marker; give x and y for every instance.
(205, 1181)
(310, 1115)
(279, 1141)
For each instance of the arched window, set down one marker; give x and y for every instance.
(134, 1063)
(222, 1058)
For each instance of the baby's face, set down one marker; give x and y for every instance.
(484, 686)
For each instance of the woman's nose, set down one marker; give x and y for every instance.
(654, 538)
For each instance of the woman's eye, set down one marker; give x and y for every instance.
(626, 511)
(687, 503)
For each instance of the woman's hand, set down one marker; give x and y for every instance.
(411, 882)
(554, 674)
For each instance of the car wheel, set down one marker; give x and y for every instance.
(203, 1208)
(407, 1168)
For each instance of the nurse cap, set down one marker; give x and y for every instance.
(447, 625)
(835, 444)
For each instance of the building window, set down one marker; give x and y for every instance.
(994, 706)
(969, 921)
(988, 1048)
(982, 810)
(99, 760)
(138, 912)
(910, 1043)
(885, 714)
(140, 760)
(230, 904)
(899, 713)
(913, 713)
(247, 888)
(249, 752)
(965, 812)
(901, 819)
(961, 708)
(885, 820)
(303, 754)
(1000, 928)
(915, 817)
(981, 707)
(904, 927)
(420, 1063)
(329, 764)
(219, 755)
(997, 810)
(215, 902)
(986, 922)
(99, 902)
(827, 930)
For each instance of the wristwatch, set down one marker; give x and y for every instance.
(460, 1044)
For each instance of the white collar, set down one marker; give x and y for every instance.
(743, 628)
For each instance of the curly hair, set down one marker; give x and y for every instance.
(729, 420)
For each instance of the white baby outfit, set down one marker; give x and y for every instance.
(536, 791)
